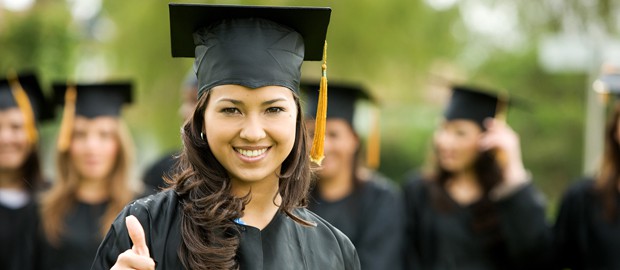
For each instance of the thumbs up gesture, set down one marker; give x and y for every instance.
(137, 257)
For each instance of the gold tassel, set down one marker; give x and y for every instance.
(24, 105)
(373, 152)
(316, 153)
(68, 116)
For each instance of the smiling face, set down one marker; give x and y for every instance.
(94, 146)
(14, 146)
(250, 131)
(456, 145)
(341, 145)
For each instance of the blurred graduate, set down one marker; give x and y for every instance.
(587, 229)
(154, 176)
(22, 106)
(237, 199)
(92, 183)
(475, 208)
(360, 202)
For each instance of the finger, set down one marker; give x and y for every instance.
(130, 260)
(136, 233)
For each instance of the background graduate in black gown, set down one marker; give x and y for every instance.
(154, 176)
(361, 203)
(587, 229)
(92, 184)
(237, 201)
(476, 208)
(22, 106)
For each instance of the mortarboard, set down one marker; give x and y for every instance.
(344, 98)
(252, 46)
(476, 104)
(90, 101)
(23, 91)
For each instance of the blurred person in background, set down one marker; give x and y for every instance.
(587, 229)
(154, 176)
(357, 200)
(92, 184)
(22, 106)
(476, 207)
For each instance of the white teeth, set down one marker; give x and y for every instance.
(251, 153)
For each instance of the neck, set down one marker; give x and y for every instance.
(337, 187)
(11, 179)
(92, 190)
(464, 187)
(264, 200)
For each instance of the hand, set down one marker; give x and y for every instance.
(501, 138)
(136, 258)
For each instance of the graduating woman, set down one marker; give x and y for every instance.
(22, 105)
(238, 200)
(477, 208)
(587, 229)
(364, 205)
(94, 158)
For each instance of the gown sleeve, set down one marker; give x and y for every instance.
(380, 245)
(525, 229)
(413, 196)
(117, 239)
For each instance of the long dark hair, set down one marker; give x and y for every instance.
(608, 178)
(210, 237)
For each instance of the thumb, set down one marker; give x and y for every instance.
(136, 233)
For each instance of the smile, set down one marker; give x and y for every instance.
(251, 153)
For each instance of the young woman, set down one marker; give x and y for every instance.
(244, 172)
(361, 203)
(476, 209)
(92, 185)
(22, 105)
(587, 229)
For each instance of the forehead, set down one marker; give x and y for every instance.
(460, 124)
(97, 122)
(245, 94)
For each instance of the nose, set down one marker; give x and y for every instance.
(253, 129)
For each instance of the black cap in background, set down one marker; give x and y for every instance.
(94, 100)
(42, 108)
(475, 104)
(341, 99)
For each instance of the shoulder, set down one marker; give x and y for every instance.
(579, 190)
(415, 185)
(150, 209)
(323, 228)
(378, 184)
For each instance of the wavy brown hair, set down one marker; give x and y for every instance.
(608, 178)
(62, 197)
(210, 236)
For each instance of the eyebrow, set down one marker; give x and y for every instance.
(239, 102)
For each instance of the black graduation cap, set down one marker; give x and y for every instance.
(40, 106)
(253, 46)
(476, 104)
(100, 99)
(341, 97)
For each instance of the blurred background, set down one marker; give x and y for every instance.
(546, 53)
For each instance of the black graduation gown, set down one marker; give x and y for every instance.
(78, 245)
(584, 239)
(18, 230)
(283, 244)
(154, 175)
(373, 218)
(446, 239)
